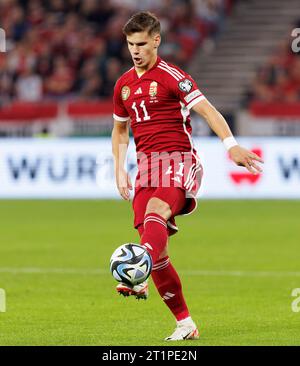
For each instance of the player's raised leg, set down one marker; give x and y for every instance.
(164, 275)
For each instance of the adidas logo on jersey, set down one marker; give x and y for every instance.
(139, 91)
(168, 296)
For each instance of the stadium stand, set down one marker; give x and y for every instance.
(62, 52)
(66, 49)
(279, 78)
(245, 44)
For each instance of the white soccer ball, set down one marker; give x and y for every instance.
(131, 264)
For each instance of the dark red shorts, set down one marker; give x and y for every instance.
(179, 190)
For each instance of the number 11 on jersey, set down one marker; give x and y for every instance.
(146, 115)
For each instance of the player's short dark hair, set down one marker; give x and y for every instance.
(140, 22)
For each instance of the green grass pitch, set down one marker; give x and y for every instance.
(238, 260)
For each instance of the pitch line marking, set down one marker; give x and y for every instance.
(101, 271)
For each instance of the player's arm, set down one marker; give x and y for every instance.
(120, 141)
(218, 124)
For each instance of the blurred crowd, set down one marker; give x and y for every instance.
(75, 48)
(279, 78)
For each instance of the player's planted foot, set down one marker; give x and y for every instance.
(186, 330)
(140, 291)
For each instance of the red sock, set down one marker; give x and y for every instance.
(155, 235)
(169, 287)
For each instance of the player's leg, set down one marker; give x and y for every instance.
(168, 284)
(164, 275)
(165, 202)
(139, 204)
(140, 291)
(169, 200)
(155, 235)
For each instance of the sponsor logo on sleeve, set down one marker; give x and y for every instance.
(185, 85)
(192, 95)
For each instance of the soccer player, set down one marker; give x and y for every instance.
(155, 99)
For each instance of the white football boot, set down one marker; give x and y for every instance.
(140, 291)
(186, 330)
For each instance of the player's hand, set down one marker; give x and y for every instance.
(246, 158)
(124, 184)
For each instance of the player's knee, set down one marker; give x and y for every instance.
(156, 205)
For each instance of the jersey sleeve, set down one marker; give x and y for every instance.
(187, 90)
(120, 113)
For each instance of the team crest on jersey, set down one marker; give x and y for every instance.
(125, 92)
(153, 89)
(185, 85)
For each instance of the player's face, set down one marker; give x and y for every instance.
(143, 49)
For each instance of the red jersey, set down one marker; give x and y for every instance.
(158, 104)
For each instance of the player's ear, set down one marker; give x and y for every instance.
(157, 40)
